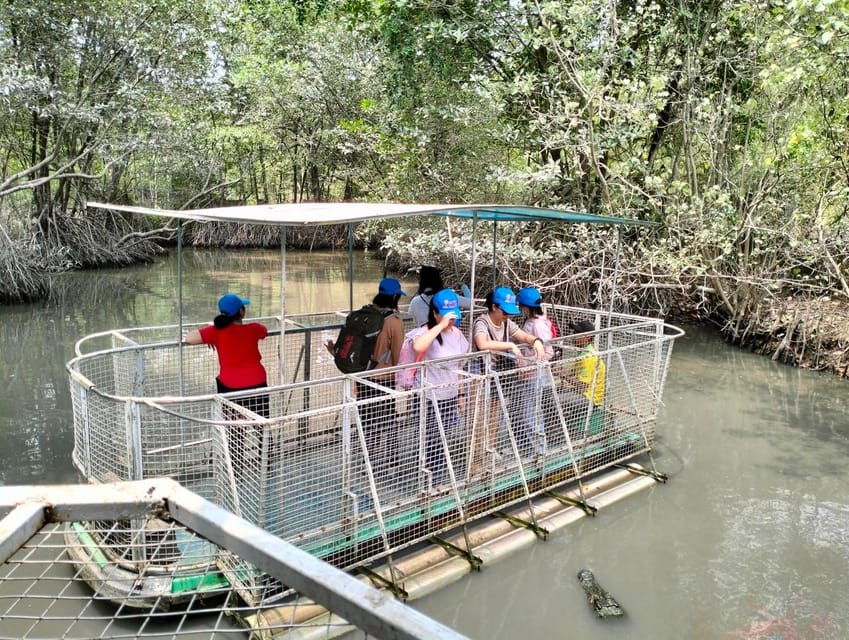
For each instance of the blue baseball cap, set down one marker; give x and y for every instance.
(446, 302)
(230, 304)
(390, 287)
(506, 299)
(529, 297)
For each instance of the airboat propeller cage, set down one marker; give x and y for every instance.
(311, 214)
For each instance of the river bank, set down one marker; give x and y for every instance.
(806, 333)
(27, 264)
(803, 331)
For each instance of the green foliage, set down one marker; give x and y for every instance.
(86, 86)
(724, 120)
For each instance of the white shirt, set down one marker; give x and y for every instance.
(420, 304)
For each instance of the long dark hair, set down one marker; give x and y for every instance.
(431, 319)
(385, 301)
(430, 280)
(222, 320)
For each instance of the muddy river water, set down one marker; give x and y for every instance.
(748, 539)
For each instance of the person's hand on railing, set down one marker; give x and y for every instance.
(193, 337)
(539, 348)
(524, 360)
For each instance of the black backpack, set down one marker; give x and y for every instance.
(355, 345)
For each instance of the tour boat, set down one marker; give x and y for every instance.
(145, 405)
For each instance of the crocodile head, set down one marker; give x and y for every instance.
(586, 577)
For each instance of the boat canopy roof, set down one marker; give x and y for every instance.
(322, 213)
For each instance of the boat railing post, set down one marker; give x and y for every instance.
(180, 306)
(472, 281)
(138, 378)
(82, 425)
(86, 429)
(226, 459)
(135, 471)
(132, 421)
(424, 479)
(306, 353)
(281, 364)
(264, 464)
(347, 458)
(660, 360)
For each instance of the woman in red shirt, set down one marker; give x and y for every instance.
(236, 342)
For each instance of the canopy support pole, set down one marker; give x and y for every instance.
(494, 264)
(282, 342)
(180, 305)
(615, 269)
(350, 266)
(472, 279)
(615, 279)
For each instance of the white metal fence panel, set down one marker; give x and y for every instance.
(68, 572)
(351, 469)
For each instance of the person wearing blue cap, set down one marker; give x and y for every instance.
(496, 332)
(237, 344)
(239, 364)
(387, 347)
(378, 418)
(390, 287)
(391, 336)
(537, 382)
(440, 338)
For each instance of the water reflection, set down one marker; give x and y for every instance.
(36, 422)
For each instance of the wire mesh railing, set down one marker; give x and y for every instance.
(352, 469)
(68, 569)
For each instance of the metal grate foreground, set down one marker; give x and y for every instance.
(45, 592)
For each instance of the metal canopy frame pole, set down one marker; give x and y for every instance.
(350, 266)
(180, 305)
(494, 264)
(609, 334)
(615, 269)
(281, 345)
(472, 279)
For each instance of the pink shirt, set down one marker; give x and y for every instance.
(454, 343)
(539, 327)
